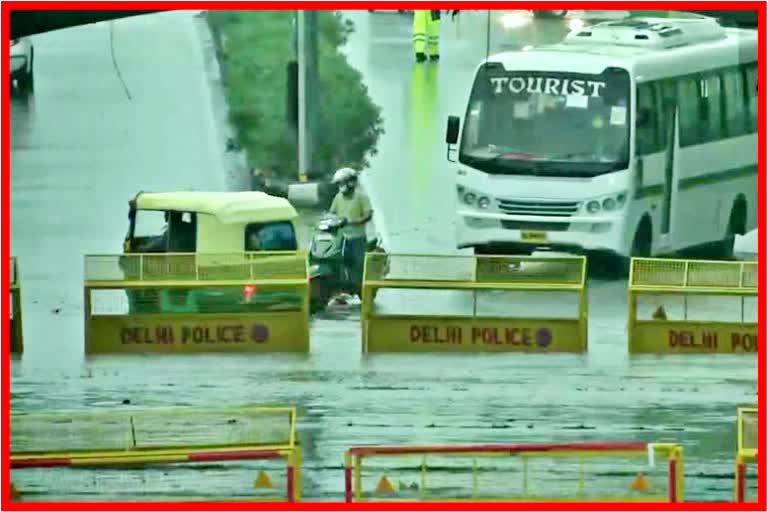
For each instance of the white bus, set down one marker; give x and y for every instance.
(628, 138)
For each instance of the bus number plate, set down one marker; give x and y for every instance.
(534, 236)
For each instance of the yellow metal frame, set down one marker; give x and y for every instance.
(744, 454)
(67, 416)
(372, 341)
(199, 271)
(686, 280)
(673, 452)
(131, 454)
(17, 323)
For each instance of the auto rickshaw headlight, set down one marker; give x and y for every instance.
(249, 291)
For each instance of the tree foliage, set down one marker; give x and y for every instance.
(257, 46)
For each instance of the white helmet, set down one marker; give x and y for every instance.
(344, 174)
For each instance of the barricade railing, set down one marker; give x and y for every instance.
(17, 327)
(690, 306)
(746, 450)
(242, 302)
(52, 443)
(516, 472)
(494, 303)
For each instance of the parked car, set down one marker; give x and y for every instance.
(22, 64)
(550, 14)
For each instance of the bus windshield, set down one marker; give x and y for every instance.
(547, 123)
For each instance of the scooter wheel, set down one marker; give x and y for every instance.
(321, 295)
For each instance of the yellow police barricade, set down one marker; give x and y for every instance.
(158, 455)
(420, 303)
(516, 472)
(746, 451)
(17, 328)
(247, 302)
(688, 306)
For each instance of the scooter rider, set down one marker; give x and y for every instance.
(354, 207)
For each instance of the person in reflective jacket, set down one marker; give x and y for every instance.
(426, 34)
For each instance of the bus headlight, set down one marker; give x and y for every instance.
(609, 204)
(593, 207)
(621, 199)
(483, 203)
(470, 198)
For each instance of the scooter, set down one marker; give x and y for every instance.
(328, 271)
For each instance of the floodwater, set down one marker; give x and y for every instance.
(81, 147)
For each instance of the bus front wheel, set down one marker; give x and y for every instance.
(641, 246)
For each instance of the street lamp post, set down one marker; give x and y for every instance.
(307, 89)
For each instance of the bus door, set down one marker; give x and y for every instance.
(669, 130)
(656, 143)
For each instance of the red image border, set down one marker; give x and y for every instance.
(586, 506)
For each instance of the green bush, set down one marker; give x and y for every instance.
(258, 46)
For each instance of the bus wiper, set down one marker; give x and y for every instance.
(570, 156)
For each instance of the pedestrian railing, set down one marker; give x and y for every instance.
(516, 472)
(254, 449)
(746, 454)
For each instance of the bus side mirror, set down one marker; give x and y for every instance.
(452, 135)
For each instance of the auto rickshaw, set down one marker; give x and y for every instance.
(211, 236)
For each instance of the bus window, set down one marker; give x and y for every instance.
(751, 84)
(649, 138)
(518, 121)
(274, 236)
(711, 127)
(668, 95)
(735, 104)
(688, 101)
(472, 125)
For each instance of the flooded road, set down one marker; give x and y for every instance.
(80, 148)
